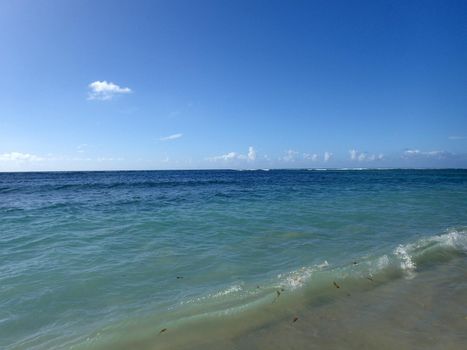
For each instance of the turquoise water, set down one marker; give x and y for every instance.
(94, 259)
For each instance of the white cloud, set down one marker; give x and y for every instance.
(251, 156)
(106, 159)
(81, 148)
(103, 90)
(251, 153)
(437, 153)
(313, 157)
(415, 153)
(363, 156)
(228, 156)
(290, 156)
(171, 137)
(20, 157)
(412, 152)
(373, 157)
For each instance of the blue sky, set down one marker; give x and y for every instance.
(89, 85)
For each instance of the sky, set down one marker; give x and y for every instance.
(203, 84)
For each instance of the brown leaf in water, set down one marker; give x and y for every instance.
(295, 319)
(163, 330)
(277, 297)
(335, 284)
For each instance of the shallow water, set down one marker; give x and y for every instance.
(91, 260)
(426, 312)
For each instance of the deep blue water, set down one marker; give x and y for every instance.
(85, 255)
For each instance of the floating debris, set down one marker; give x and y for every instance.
(278, 292)
(163, 330)
(355, 263)
(179, 277)
(295, 319)
(336, 285)
(258, 287)
(370, 279)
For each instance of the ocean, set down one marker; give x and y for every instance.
(260, 259)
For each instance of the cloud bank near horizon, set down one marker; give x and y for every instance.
(25, 161)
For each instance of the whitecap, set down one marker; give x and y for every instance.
(298, 278)
(407, 264)
(383, 262)
(455, 239)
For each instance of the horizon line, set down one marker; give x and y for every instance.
(233, 169)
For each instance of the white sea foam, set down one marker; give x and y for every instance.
(382, 262)
(298, 278)
(404, 256)
(455, 238)
(230, 290)
(376, 266)
(406, 263)
(347, 169)
(323, 265)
